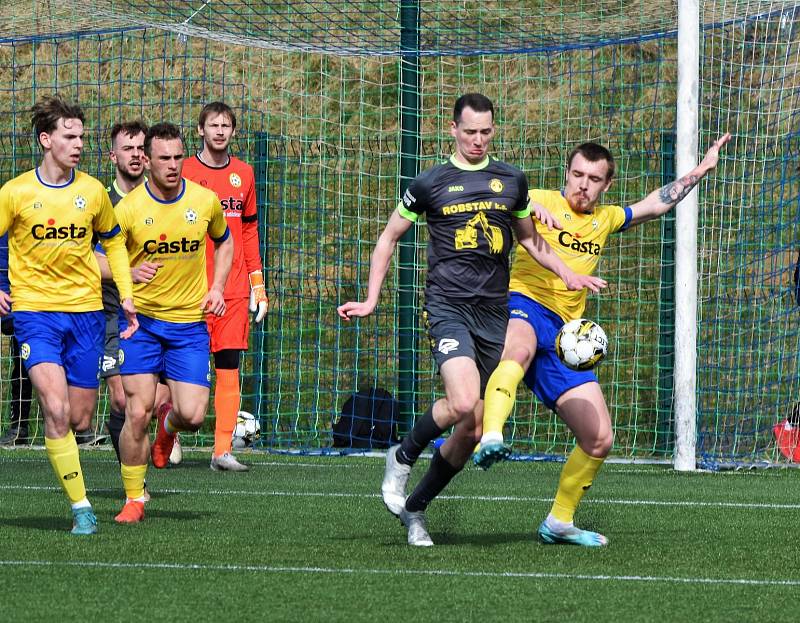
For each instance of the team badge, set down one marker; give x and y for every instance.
(235, 180)
(37, 205)
(24, 350)
(79, 203)
(190, 216)
(496, 185)
(120, 357)
(595, 224)
(148, 220)
(567, 216)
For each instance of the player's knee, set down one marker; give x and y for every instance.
(55, 408)
(519, 353)
(192, 417)
(138, 417)
(599, 446)
(462, 408)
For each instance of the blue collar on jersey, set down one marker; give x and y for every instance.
(65, 184)
(178, 198)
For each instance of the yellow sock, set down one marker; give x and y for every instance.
(226, 407)
(63, 455)
(133, 480)
(576, 478)
(501, 392)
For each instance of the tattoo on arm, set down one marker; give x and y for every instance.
(674, 192)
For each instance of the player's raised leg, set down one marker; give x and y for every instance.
(501, 391)
(189, 406)
(583, 409)
(134, 441)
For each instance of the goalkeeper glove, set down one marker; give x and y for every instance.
(258, 295)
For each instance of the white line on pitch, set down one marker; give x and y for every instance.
(533, 575)
(345, 461)
(466, 498)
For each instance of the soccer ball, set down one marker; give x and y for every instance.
(581, 344)
(247, 430)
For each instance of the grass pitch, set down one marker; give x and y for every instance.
(308, 539)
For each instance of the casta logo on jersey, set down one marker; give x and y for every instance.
(162, 245)
(49, 231)
(566, 239)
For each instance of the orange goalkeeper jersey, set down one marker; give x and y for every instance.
(235, 186)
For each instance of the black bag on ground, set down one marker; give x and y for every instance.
(368, 420)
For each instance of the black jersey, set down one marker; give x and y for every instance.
(468, 211)
(109, 288)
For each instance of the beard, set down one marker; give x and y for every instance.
(128, 176)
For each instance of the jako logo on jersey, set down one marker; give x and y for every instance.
(50, 232)
(190, 216)
(518, 312)
(232, 204)
(235, 180)
(184, 245)
(496, 185)
(455, 189)
(566, 239)
(447, 344)
(408, 198)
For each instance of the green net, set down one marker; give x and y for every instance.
(318, 88)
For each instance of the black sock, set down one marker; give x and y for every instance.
(424, 431)
(115, 422)
(439, 474)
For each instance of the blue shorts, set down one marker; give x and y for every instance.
(73, 340)
(547, 377)
(179, 350)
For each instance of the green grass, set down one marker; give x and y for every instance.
(307, 539)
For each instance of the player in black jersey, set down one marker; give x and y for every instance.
(472, 203)
(127, 149)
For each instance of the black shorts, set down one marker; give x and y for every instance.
(461, 330)
(112, 354)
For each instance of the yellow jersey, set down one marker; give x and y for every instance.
(51, 263)
(578, 244)
(172, 233)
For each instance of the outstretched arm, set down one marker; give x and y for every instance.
(378, 267)
(539, 250)
(661, 201)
